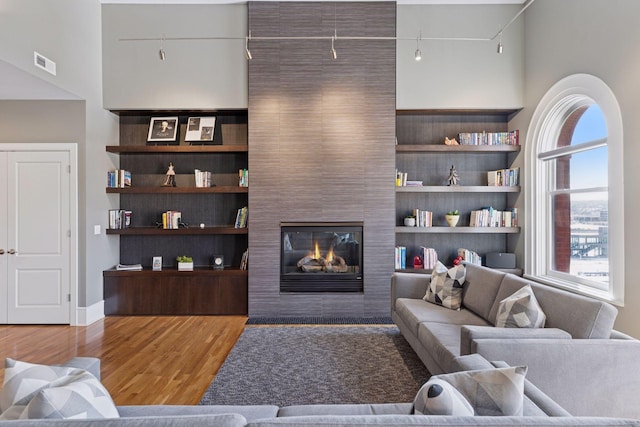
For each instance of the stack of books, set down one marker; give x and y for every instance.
(400, 257)
(171, 219)
(503, 177)
(203, 178)
(429, 258)
(244, 262)
(470, 256)
(489, 217)
(490, 138)
(423, 218)
(241, 217)
(118, 178)
(243, 177)
(119, 218)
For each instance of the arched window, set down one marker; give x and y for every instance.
(574, 232)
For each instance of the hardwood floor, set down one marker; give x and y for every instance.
(144, 360)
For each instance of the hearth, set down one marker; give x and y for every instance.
(321, 257)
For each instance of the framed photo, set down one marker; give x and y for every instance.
(157, 263)
(163, 129)
(200, 129)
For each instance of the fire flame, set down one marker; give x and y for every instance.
(316, 254)
(330, 255)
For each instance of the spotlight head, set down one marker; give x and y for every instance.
(161, 54)
(247, 52)
(334, 54)
(499, 49)
(418, 55)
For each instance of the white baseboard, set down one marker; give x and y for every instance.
(91, 314)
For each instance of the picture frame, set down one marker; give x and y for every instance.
(200, 129)
(163, 129)
(157, 263)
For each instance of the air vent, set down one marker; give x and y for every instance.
(45, 63)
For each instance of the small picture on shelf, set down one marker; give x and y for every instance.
(163, 129)
(157, 263)
(200, 129)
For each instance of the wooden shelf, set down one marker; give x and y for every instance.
(458, 230)
(166, 271)
(459, 111)
(458, 189)
(154, 231)
(178, 190)
(441, 148)
(141, 149)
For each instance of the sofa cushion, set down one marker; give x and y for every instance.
(491, 392)
(480, 289)
(520, 310)
(445, 288)
(581, 316)
(346, 409)
(438, 397)
(416, 311)
(41, 391)
(443, 340)
(250, 412)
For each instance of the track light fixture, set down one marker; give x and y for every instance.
(247, 52)
(161, 51)
(499, 49)
(334, 55)
(418, 54)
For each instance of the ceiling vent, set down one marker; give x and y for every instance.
(45, 63)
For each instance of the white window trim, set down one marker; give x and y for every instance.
(571, 92)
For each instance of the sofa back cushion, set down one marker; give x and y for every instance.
(480, 290)
(581, 316)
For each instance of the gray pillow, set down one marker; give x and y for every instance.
(445, 288)
(520, 310)
(491, 392)
(438, 397)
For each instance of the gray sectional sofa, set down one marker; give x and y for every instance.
(539, 410)
(577, 359)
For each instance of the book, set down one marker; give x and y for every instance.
(241, 217)
(243, 177)
(119, 218)
(489, 138)
(244, 262)
(429, 257)
(128, 267)
(118, 178)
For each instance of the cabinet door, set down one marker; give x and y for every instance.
(38, 227)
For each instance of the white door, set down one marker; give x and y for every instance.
(38, 255)
(3, 240)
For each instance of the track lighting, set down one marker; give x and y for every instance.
(418, 54)
(247, 52)
(499, 49)
(161, 51)
(334, 55)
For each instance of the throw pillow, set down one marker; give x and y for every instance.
(497, 392)
(438, 397)
(23, 381)
(445, 288)
(520, 310)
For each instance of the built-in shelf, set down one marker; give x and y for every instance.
(458, 230)
(166, 271)
(178, 190)
(433, 148)
(134, 149)
(458, 189)
(195, 230)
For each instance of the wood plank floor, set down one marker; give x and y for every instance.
(145, 360)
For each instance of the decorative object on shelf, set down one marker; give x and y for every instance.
(410, 221)
(185, 263)
(157, 263)
(170, 180)
(200, 129)
(452, 218)
(217, 261)
(417, 262)
(243, 177)
(452, 141)
(163, 129)
(457, 260)
(453, 176)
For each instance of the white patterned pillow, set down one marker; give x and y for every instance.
(520, 310)
(498, 392)
(40, 391)
(438, 397)
(445, 288)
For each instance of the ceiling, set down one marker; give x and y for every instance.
(446, 2)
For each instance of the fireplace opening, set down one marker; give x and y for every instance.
(321, 257)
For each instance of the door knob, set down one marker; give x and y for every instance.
(12, 251)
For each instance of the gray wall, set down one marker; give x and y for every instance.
(196, 74)
(598, 37)
(321, 145)
(459, 74)
(69, 33)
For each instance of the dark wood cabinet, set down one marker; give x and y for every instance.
(208, 217)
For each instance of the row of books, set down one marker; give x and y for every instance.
(241, 217)
(244, 262)
(423, 218)
(429, 258)
(118, 178)
(119, 218)
(470, 256)
(489, 138)
(489, 217)
(243, 177)
(171, 220)
(401, 180)
(400, 257)
(503, 177)
(203, 178)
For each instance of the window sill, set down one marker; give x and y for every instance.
(577, 288)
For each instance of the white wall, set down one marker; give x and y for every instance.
(602, 38)
(196, 74)
(459, 74)
(69, 33)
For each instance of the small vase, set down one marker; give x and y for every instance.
(452, 220)
(410, 222)
(185, 266)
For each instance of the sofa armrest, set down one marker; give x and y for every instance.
(469, 333)
(408, 285)
(586, 377)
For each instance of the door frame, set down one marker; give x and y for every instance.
(72, 149)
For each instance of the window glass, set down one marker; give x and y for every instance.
(591, 125)
(585, 169)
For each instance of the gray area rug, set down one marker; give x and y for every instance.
(294, 365)
(309, 320)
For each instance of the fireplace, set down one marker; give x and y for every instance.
(321, 257)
